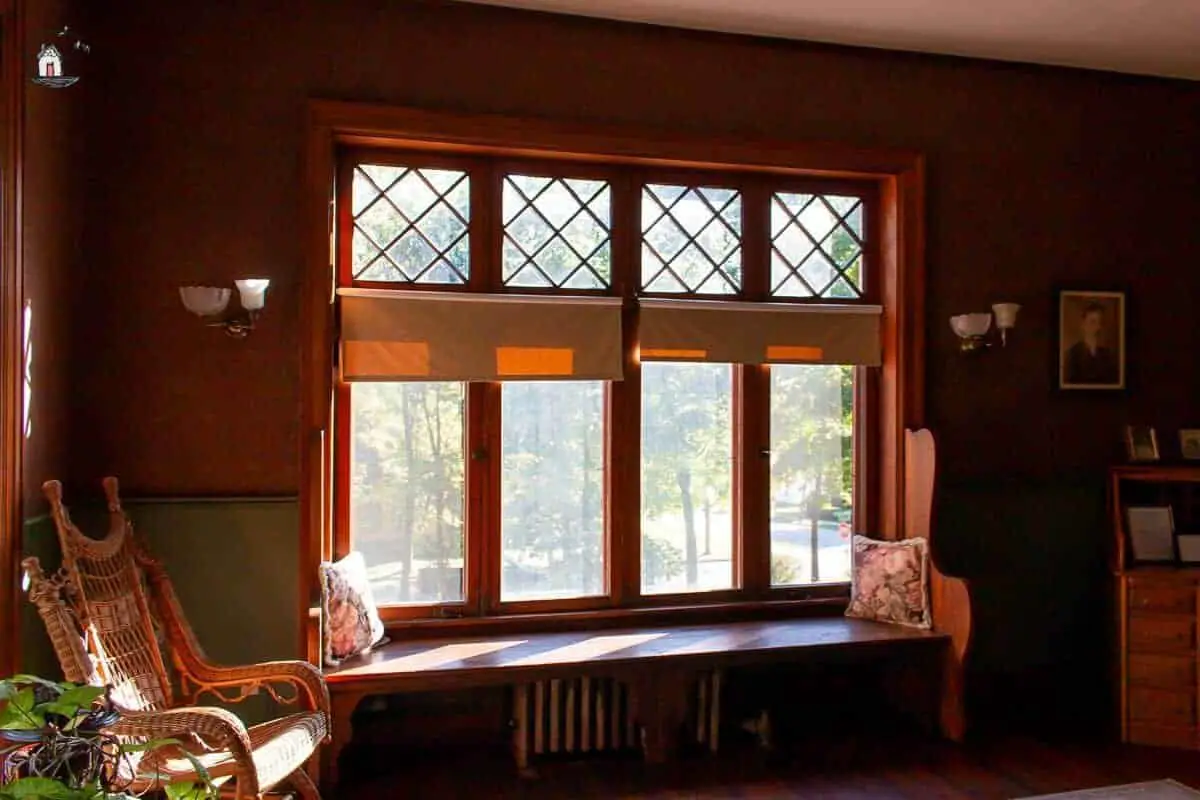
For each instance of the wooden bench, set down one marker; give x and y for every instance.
(659, 666)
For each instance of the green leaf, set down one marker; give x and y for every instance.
(19, 713)
(187, 791)
(82, 696)
(58, 687)
(43, 789)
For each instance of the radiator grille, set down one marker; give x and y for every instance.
(588, 715)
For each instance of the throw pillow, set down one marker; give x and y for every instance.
(890, 581)
(350, 619)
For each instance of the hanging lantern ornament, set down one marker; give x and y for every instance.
(50, 62)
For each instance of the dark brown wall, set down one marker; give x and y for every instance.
(1038, 179)
(52, 206)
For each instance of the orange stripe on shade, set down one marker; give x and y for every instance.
(667, 354)
(385, 359)
(785, 352)
(535, 361)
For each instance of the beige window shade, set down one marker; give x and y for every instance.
(411, 336)
(759, 333)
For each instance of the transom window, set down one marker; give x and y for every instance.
(691, 239)
(612, 386)
(816, 246)
(411, 225)
(556, 233)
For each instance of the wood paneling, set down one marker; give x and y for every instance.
(1037, 177)
(11, 367)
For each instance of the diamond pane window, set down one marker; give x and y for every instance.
(691, 240)
(557, 233)
(817, 246)
(411, 225)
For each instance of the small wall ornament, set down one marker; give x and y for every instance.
(50, 71)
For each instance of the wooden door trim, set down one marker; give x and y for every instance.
(12, 366)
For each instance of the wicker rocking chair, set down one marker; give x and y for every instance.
(104, 611)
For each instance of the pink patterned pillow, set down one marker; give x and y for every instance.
(890, 582)
(350, 620)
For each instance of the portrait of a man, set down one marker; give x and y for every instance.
(1091, 340)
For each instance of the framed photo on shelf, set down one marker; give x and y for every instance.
(1141, 443)
(1151, 533)
(1091, 340)
(1189, 443)
(1189, 548)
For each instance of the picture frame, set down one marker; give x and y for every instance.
(1189, 548)
(1141, 443)
(1151, 533)
(1091, 340)
(1189, 444)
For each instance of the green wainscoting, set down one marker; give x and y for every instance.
(37, 655)
(1035, 555)
(235, 564)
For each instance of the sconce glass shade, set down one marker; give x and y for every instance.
(1006, 315)
(971, 326)
(204, 301)
(253, 292)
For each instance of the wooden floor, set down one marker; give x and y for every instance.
(926, 770)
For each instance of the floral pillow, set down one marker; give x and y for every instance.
(351, 623)
(890, 582)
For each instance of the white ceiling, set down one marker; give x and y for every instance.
(1152, 37)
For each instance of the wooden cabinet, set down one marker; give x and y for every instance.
(1158, 611)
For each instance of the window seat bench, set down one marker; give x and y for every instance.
(658, 665)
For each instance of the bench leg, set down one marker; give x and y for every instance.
(520, 740)
(342, 705)
(659, 701)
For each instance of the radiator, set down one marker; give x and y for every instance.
(590, 715)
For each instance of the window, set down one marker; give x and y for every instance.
(406, 489)
(552, 490)
(691, 240)
(584, 385)
(410, 225)
(687, 477)
(812, 463)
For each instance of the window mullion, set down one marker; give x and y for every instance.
(483, 477)
(752, 484)
(752, 411)
(625, 397)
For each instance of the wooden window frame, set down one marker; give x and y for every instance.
(894, 392)
(12, 368)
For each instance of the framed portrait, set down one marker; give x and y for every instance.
(1141, 443)
(1189, 443)
(1091, 340)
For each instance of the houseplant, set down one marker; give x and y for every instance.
(53, 745)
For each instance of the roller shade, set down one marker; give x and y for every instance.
(422, 336)
(759, 333)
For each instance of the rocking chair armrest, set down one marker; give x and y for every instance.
(301, 674)
(215, 725)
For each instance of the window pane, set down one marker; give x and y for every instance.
(817, 246)
(691, 239)
(406, 489)
(410, 225)
(812, 456)
(687, 477)
(552, 490)
(556, 232)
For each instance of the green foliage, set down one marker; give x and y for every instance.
(72, 758)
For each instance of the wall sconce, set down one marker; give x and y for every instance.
(209, 303)
(972, 329)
